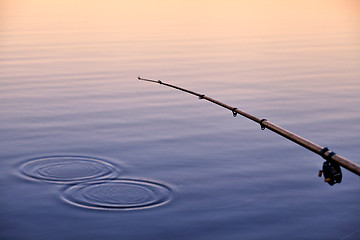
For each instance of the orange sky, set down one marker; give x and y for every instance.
(195, 17)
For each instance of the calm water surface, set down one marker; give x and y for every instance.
(89, 152)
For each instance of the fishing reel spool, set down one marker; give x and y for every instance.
(330, 169)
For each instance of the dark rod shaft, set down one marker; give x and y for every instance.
(324, 152)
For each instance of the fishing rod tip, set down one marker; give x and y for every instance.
(149, 80)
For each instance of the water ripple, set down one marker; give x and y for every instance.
(68, 169)
(119, 194)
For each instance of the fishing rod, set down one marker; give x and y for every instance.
(331, 167)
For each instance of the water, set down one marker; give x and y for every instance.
(89, 152)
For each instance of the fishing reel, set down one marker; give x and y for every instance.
(332, 172)
(330, 169)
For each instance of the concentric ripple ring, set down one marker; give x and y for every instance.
(119, 194)
(68, 169)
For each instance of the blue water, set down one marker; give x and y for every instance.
(188, 168)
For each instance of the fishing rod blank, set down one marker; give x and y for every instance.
(331, 167)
